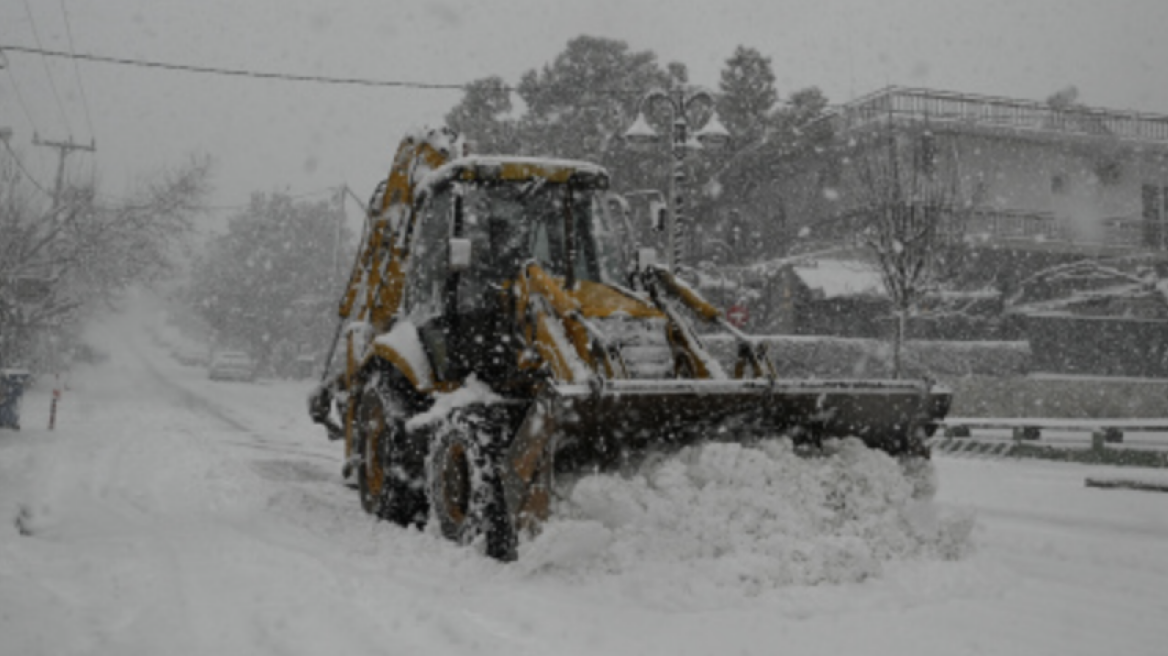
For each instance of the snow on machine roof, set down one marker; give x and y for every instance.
(487, 168)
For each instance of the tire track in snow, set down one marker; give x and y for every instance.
(190, 399)
(198, 403)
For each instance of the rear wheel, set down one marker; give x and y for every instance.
(370, 477)
(388, 482)
(465, 485)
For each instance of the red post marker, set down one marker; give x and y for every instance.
(738, 315)
(53, 408)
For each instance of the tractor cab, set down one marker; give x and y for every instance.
(482, 222)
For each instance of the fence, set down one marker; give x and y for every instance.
(943, 106)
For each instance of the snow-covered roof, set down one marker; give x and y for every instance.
(1059, 290)
(507, 167)
(837, 278)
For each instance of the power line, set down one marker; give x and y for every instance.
(288, 77)
(48, 71)
(238, 206)
(236, 72)
(297, 196)
(20, 99)
(77, 70)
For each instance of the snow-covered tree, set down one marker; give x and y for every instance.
(277, 256)
(576, 106)
(744, 176)
(483, 116)
(579, 105)
(748, 94)
(56, 260)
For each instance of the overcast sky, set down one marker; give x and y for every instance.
(304, 138)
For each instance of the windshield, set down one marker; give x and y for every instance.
(509, 224)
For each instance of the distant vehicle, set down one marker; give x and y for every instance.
(88, 354)
(231, 365)
(191, 356)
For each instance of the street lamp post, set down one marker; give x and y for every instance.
(680, 101)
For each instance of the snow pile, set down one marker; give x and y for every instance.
(727, 519)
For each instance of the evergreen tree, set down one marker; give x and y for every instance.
(748, 94)
(581, 103)
(483, 116)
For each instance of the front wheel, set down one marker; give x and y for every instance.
(466, 486)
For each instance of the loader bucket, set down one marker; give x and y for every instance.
(578, 428)
(600, 426)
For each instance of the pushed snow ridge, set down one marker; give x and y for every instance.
(741, 519)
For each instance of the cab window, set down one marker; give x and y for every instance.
(428, 258)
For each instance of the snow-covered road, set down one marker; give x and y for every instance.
(169, 514)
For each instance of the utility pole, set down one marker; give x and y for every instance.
(64, 148)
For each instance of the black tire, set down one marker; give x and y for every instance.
(465, 486)
(389, 484)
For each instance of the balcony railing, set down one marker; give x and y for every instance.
(899, 103)
(1108, 232)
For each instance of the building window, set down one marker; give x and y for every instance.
(927, 153)
(1109, 172)
(1154, 214)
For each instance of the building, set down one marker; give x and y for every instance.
(1054, 176)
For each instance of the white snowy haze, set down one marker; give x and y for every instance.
(301, 138)
(147, 508)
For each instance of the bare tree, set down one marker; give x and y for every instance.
(906, 196)
(56, 259)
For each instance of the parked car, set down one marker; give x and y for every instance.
(231, 365)
(191, 356)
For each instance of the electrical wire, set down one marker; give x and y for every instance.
(48, 71)
(20, 99)
(77, 71)
(238, 206)
(267, 75)
(242, 206)
(236, 72)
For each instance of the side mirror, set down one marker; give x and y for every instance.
(459, 254)
(646, 257)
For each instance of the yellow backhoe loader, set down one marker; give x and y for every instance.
(496, 337)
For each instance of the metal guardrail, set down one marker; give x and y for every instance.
(1007, 224)
(989, 111)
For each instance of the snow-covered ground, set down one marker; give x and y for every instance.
(170, 514)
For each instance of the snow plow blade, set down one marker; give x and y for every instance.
(585, 426)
